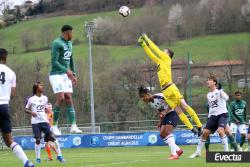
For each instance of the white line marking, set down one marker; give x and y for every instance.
(115, 163)
(4, 154)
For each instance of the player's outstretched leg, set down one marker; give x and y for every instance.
(54, 129)
(231, 138)
(71, 113)
(18, 151)
(16, 148)
(201, 143)
(207, 143)
(58, 150)
(168, 123)
(48, 150)
(185, 119)
(193, 115)
(242, 141)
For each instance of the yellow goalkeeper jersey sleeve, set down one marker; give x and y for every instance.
(162, 60)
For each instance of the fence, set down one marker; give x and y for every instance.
(105, 127)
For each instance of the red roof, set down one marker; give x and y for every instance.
(225, 62)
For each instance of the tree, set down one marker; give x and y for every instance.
(243, 53)
(5, 7)
(228, 72)
(46, 35)
(18, 14)
(27, 40)
(175, 18)
(38, 66)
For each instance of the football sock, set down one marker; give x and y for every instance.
(233, 142)
(224, 142)
(194, 116)
(185, 120)
(56, 111)
(242, 140)
(18, 151)
(231, 145)
(38, 151)
(47, 148)
(71, 114)
(200, 146)
(207, 143)
(58, 149)
(177, 147)
(171, 143)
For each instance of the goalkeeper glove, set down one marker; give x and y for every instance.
(142, 42)
(145, 37)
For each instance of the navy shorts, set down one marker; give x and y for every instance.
(248, 131)
(214, 122)
(5, 120)
(171, 118)
(45, 128)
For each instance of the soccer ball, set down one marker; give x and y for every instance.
(124, 11)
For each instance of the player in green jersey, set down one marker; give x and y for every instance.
(238, 109)
(62, 76)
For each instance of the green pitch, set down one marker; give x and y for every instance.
(116, 157)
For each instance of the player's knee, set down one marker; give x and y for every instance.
(163, 135)
(38, 141)
(51, 138)
(7, 140)
(228, 132)
(60, 98)
(221, 132)
(205, 134)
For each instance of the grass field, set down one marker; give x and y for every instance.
(119, 156)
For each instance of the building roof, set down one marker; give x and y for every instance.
(225, 62)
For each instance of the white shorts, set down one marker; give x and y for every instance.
(241, 128)
(61, 83)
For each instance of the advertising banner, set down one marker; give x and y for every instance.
(182, 137)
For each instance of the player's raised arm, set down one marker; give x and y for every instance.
(148, 51)
(223, 95)
(55, 57)
(153, 46)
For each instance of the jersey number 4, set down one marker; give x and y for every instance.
(2, 77)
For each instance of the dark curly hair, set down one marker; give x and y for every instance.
(142, 90)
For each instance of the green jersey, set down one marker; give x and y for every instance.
(238, 111)
(61, 56)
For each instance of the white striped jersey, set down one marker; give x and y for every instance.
(159, 102)
(7, 81)
(217, 102)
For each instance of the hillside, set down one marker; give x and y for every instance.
(116, 69)
(215, 47)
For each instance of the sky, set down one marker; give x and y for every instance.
(14, 2)
(17, 2)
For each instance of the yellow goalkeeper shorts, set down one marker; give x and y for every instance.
(172, 96)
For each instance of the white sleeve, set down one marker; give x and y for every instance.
(223, 95)
(46, 104)
(28, 103)
(13, 81)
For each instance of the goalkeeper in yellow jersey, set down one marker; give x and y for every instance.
(173, 97)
